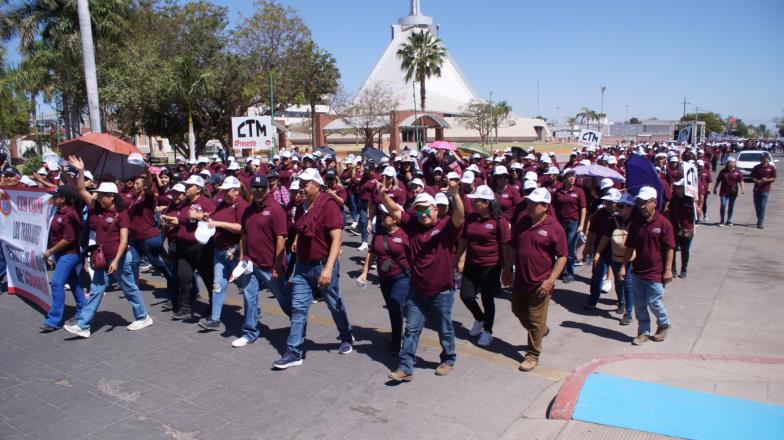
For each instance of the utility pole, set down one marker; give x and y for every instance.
(88, 55)
(413, 87)
(601, 108)
(491, 119)
(684, 106)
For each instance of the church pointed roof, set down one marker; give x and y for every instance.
(445, 94)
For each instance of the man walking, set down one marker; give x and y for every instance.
(763, 175)
(652, 241)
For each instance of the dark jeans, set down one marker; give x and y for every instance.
(190, 258)
(728, 204)
(684, 244)
(760, 203)
(623, 288)
(152, 249)
(597, 278)
(571, 239)
(395, 292)
(363, 220)
(484, 280)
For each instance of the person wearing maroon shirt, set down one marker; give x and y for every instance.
(367, 187)
(347, 181)
(145, 238)
(230, 206)
(467, 185)
(539, 251)
(319, 226)
(127, 192)
(63, 246)
(598, 224)
(170, 210)
(110, 223)
(727, 183)
(263, 246)
(432, 291)
(334, 189)
(704, 179)
(570, 209)
(681, 215)
(763, 175)
(389, 249)
(506, 194)
(191, 254)
(485, 235)
(651, 241)
(674, 169)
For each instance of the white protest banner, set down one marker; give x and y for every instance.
(589, 138)
(253, 133)
(25, 215)
(684, 134)
(691, 177)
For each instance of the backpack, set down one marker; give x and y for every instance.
(618, 242)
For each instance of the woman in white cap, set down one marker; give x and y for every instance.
(599, 223)
(571, 210)
(111, 227)
(484, 236)
(506, 195)
(727, 184)
(231, 202)
(681, 215)
(389, 249)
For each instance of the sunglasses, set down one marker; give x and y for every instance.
(260, 189)
(423, 212)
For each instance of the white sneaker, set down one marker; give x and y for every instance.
(78, 331)
(141, 323)
(354, 225)
(477, 328)
(240, 342)
(607, 285)
(485, 338)
(363, 247)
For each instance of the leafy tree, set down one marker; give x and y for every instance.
(192, 86)
(485, 117)
(320, 77)
(13, 103)
(634, 121)
(421, 57)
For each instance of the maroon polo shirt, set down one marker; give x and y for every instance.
(681, 213)
(141, 214)
(107, 225)
(342, 193)
(431, 254)
(367, 188)
(128, 196)
(728, 181)
(649, 240)
(486, 237)
(313, 227)
(172, 210)
(600, 221)
(536, 248)
(568, 204)
(66, 225)
(705, 179)
(468, 204)
(666, 188)
(186, 233)
(396, 253)
(397, 194)
(763, 172)
(507, 198)
(228, 213)
(263, 224)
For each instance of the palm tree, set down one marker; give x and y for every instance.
(193, 85)
(421, 57)
(587, 115)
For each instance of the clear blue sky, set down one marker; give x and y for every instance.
(723, 56)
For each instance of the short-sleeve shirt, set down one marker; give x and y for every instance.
(536, 248)
(263, 224)
(431, 254)
(600, 221)
(367, 188)
(228, 213)
(141, 214)
(649, 240)
(681, 213)
(313, 225)
(186, 233)
(485, 237)
(705, 180)
(507, 198)
(763, 172)
(568, 204)
(728, 181)
(66, 225)
(107, 225)
(342, 193)
(396, 253)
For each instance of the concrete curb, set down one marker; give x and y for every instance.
(566, 399)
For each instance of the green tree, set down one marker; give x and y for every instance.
(193, 85)
(587, 115)
(421, 57)
(320, 77)
(634, 121)
(485, 117)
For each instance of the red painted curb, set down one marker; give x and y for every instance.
(565, 401)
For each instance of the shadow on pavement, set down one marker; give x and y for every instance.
(598, 331)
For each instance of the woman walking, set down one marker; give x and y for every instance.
(681, 215)
(570, 209)
(727, 183)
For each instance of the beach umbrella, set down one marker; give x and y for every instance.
(102, 154)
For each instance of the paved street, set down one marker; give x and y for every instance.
(173, 380)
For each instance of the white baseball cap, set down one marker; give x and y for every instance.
(389, 172)
(88, 175)
(233, 166)
(530, 184)
(539, 195)
(178, 187)
(585, 162)
(205, 172)
(468, 177)
(613, 195)
(476, 156)
(482, 192)
(194, 180)
(700, 162)
(516, 166)
(546, 159)
(500, 169)
(230, 182)
(27, 181)
(553, 170)
(441, 199)
(673, 158)
(646, 193)
(473, 168)
(612, 160)
(438, 169)
(452, 176)
(424, 199)
(606, 183)
(531, 175)
(311, 174)
(107, 188)
(680, 182)
(285, 154)
(529, 156)
(294, 185)
(416, 181)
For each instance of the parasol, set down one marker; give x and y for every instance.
(103, 154)
(599, 172)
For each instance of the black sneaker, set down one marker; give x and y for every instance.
(210, 324)
(621, 309)
(288, 360)
(180, 315)
(45, 328)
(626, 319)
(682, 274)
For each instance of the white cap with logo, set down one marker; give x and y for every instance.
(482, 192)
(311, 174)
(646, 193)
(539, 195)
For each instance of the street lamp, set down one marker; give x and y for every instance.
(601, 109)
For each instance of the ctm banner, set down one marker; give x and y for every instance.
(25, 215)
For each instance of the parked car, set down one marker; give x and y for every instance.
(747, 160)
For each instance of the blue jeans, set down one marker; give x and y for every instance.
(418, 309)
(151, 248)
(251, 284)
(221, 274)
(395, 292)
(353, 206)
(363, 220)
(760, 203)
(648, 294)
(66, 270)
(303, 283)
(124, 276)
(623, 288)
(728, 204)
(571, 239)
(597, 277)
